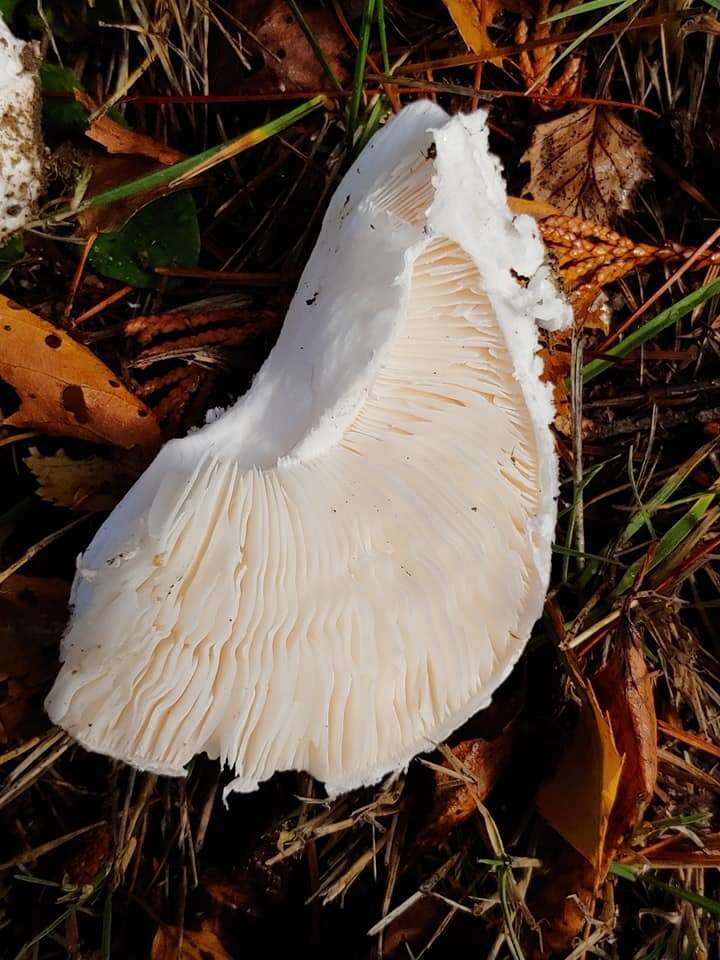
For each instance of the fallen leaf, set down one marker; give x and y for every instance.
(455, 801)
(563, 899)
(472, 18)
(164, 233)
(171, 943)
(625, 692)
(624, 712)
(289, 62)
(556, 367)
(91, 483)
(588, 164)
(577, 801)
(91, 855)
(63, 388)
(119, 139)
(109, 172)
(33, 613)
(61, 111)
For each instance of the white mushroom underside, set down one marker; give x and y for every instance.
(340, 612)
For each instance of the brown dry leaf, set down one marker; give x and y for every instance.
(577, 801)
(556, 367)
(91, 854)
(587, 163)
(289, 60)
(624, 692)
(33, 612)
(624, 689)
(119, 139)
(565, 898)
(64, 389)
(472, 18)
(109, 172)
(170, 943)
(455, 801)
(90, 483)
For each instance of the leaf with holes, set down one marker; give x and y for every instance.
(63, 388)
(163, 234)
(587, 164)
(289, 61)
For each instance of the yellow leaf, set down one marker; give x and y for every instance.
(579, 798)
(472, 18)
(63, 388)
(91, 483)
(170, 943)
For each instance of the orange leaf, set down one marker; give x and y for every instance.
(119, 139)
(472, 18)
(455, 801)
(579, 798)
(64, 389)
(171, 943)
(624, 688)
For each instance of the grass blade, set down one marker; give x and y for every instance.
(312, 40)
(671, 540)
(583, 8)
(358, 78)
(383, 35)
(185, 170)
(689, 896)
(666, 318)
(665, 492)
(619, 8)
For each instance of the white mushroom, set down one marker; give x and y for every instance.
(343, 567)
(20, 143)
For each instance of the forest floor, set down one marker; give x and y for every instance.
(577, 816)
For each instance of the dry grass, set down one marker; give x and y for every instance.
(97, 856)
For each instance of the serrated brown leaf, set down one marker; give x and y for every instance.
(170, 943)
(64, 389)
(472, 18)
(588, 163)
(92, 483)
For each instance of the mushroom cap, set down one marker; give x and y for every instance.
(340, 569)
(20, 142)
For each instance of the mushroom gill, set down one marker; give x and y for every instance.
(343, 567)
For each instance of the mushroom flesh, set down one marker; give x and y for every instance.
(339, 570)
